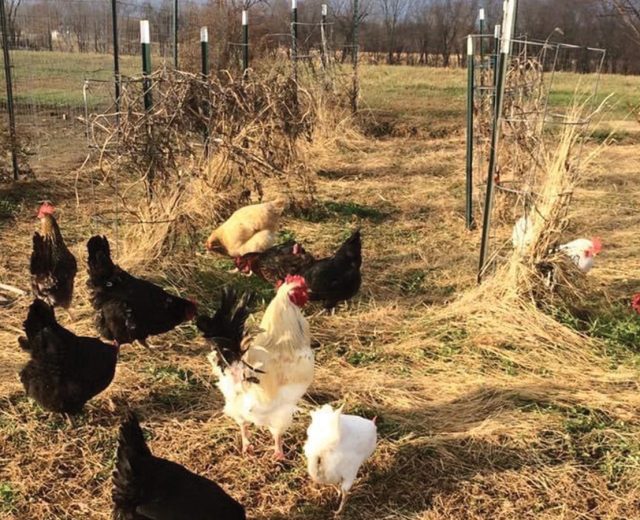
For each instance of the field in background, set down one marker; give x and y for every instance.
(414, 93)
(465, 433)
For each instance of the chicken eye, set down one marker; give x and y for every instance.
(109, 284)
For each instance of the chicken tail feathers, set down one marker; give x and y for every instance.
(127, 492)
(40, 316)
(100, 264)
(226, 327)
(352, 248)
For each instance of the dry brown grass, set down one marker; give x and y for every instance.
(488, 408)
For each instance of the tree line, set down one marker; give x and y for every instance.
(417, 32)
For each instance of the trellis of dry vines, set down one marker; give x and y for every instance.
(523, 118)
(235, 132)
(204, 146)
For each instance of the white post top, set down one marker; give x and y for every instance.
(245, 17)
(204, 34)
(507, 33)
(145, 34)
(324, 10)
(505, 8)
(496, 31)
(481, 15)
(294, 4)
(469, 45)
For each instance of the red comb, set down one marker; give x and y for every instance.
(597, 245)
(295, 279)
(46, 209)
(635, 303)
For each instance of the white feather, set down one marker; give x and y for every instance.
(577, 251)
(337, 445)
(522, 234)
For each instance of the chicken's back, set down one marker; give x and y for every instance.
(336, 460)
(145, 486)
(237, 233)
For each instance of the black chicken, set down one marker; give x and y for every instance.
(65, 370)
(148, 487)
(337, 278)
(276, 262)
(129, 308)
(53, 267)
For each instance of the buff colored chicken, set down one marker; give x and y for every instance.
(251, 229)
(262, 378)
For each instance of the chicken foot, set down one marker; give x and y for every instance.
(147, 345)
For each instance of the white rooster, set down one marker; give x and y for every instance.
(582, 252)
(337, 445)
(262, 378)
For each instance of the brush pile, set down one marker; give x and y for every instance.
(201, 148)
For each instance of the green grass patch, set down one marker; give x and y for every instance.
(8, 498)
(8, 208)
(330, 210)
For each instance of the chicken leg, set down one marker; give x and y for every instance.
(343, 500)
(278, 447)
(247, 447)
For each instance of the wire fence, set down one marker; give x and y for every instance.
(62, 59)
(541, 92)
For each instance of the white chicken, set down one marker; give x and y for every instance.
(522, 234)
(263, 378)
(337, 445)
(582, 252)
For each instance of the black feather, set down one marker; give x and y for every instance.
(226, 327)
(65, 370)
(148, 487)
(336, 278)
(129, 308)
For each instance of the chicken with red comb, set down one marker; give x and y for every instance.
(267, 375)
(53, 267)
(582, 252)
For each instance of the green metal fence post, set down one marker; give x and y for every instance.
(496, 53)
(175, 34)
(116, 54)
(245, 41)
(294, 38)
(10, 107)
(145, 43)
(323, 36)
(503, 64)
(204, 70)
(356, 40)
(469, 166)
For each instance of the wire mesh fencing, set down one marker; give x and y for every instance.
(545, 83)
